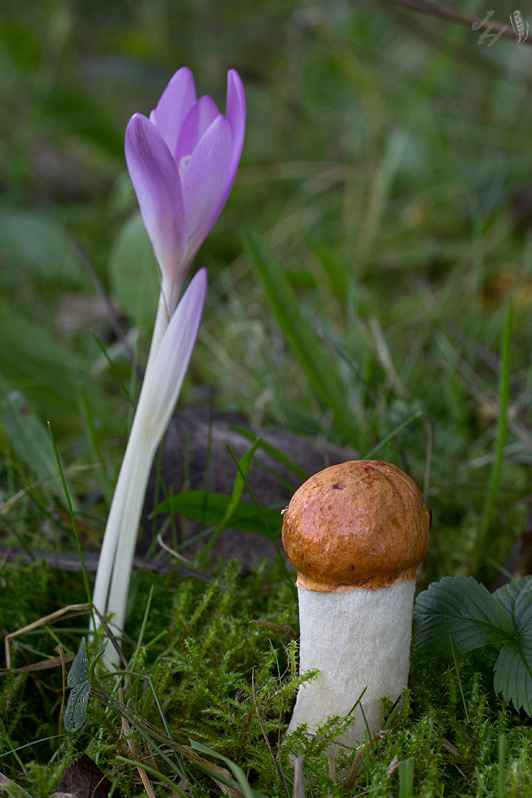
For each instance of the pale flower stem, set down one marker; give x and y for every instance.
(138, 471)
(120, 496)
(110, 540)
(161, 323)
(123, 507)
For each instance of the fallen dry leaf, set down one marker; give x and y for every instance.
(86, 780)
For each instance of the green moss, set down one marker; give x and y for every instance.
(214, 673)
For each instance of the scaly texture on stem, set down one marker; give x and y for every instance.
(360, 642)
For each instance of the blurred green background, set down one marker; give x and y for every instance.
(387, 170)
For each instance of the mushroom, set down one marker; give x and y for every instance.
(356, 533)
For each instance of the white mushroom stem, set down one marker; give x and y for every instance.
(360, 642)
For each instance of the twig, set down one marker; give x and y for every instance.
(263, 730)
(171, 551)
(73, 610)
(69, 561)
(453, 15)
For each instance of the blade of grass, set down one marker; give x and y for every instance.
(273, 451)
(459, 679)
(500, 440)
(94, 446)
(501, 780)
(73, 519)
(406, 778)
(284, 304)
(239, 484)
(392, 434)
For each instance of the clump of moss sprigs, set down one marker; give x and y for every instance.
(217, 665)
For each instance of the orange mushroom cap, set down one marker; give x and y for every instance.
(358, 524)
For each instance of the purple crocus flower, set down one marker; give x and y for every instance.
(182, 162)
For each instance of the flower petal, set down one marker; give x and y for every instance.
(158, 398)
(236, 115)
(175, 103)
(205, 181)
(196, 122)
(156, 181)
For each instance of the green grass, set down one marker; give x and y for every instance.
(359, 285)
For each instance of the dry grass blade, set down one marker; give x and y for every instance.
(392, 767)
(171, 551)
(385, 358)
(228, 790)
(11, 785)
(41, 665)
(126, 731)
(280, 627)
(299, 779)
(112, 638)
(147, 727)
(72, 611)
(352, 774)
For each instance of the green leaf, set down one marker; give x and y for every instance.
(72, 113)
(211, 508)
(31, 441)
(283, 303)
(35, 240)
(406, 778)
(244, 467)
(462, 609)
(78, 680)
(513, 669)
(513, 677)
(79, 671)
(134, 273)
(511, 591)
(35, 362)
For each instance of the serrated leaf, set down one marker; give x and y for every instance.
(508, 594)
(513, 669)
(78, 680)
(462, 609)
(211, 508)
